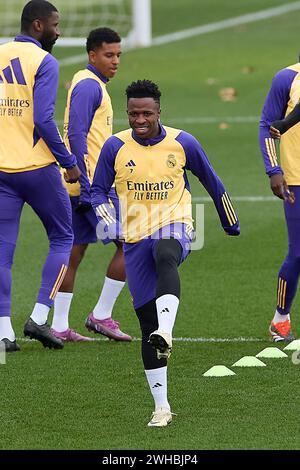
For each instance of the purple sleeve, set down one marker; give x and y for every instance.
(274, 109)
(103, 180)
(85, 99)
(44, 97)
(198, 163)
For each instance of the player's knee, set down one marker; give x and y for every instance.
(77, 255)
(62, 243)
(6, 254)
(167, 253)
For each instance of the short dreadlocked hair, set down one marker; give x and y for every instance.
(143, 89)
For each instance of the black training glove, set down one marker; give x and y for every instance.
(83, 207)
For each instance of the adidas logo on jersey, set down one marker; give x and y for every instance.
(13, 73)
(130, 163)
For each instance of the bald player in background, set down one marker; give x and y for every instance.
(30, 147)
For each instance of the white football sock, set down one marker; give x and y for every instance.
(40, 313)
(62, 304)
(110, 292)
(6, 329)
(157, 381)
(278, 318)
(167, 306)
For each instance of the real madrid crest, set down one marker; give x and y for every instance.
(171, 161)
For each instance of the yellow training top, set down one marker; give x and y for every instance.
(87, 123)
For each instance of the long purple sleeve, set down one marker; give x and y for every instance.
(274, 109)
(85, 99)
(103, 180)
(44, 97)
(198, 163)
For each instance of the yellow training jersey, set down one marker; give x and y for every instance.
(86, 129)
(283, 96)
(151, 182)
(21, 146)
(290, 141)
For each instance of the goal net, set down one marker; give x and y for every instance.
(130, 18)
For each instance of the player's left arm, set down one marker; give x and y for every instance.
(198, 163)
(44, 97)
(274, 109)
(86, 97)
(104, 178)
(281, 126)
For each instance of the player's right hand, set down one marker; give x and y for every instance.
(280, 125)
(280, 188)
(72, 174)
(233, 231)
(83, 207)
(112, 231)
(274, 133)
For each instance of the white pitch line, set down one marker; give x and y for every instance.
(196, 120)
(210, 120)
(181, 340)
(204, 29)
(240, 199)
(214, 119)
(219, 25)
(73, 60)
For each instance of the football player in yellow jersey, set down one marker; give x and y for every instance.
(88, 124)
(30, 147)
(284, 175)
(148, 164)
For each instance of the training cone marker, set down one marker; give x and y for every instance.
(293, 346)
(218, 371)
(271, 352)
(249, 361)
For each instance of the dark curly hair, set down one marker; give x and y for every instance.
(143, 89)
(100, 35)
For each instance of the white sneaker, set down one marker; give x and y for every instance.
(162, 342)
(160, 418)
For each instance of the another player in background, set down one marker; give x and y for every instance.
(30, 146)
(281, 126)
(88, 123)
(285, 183)
(148, 164)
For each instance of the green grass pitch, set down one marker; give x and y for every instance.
(95, 396)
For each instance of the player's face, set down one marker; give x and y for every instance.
(106, 58)
(50, 31)
(143, 116)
